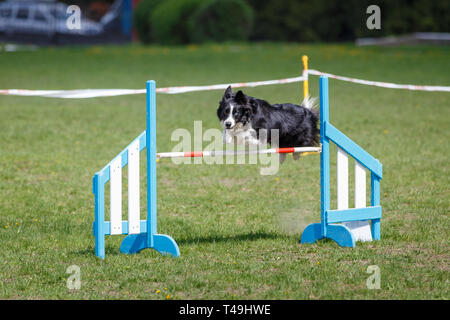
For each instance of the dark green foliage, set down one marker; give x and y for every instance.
(142, 19)
(404, 16)
(169, 20)
(323, 20)
(184, 21)
(221, 20)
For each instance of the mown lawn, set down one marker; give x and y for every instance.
(238, 231)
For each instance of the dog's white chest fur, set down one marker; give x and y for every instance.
(241, 134)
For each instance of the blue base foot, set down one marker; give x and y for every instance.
(162, 243)
(341, 235)
(311, 233)
(336, 232)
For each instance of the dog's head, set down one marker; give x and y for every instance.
(234, 109)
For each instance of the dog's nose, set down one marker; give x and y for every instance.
(228, 124)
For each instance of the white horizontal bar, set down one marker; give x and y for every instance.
(235, 152)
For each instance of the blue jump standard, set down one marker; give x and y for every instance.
(328, 227)
(148, 238)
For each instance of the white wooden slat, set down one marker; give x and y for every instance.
(133, 189)
(342, 179)
(360, 229)
(116, 195)
(360, 186)
(342, 188)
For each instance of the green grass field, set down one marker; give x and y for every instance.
(238, 231)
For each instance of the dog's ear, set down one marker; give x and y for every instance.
(240, 97)
(220, 109)
(228, 93)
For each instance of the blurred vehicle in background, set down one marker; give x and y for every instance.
(45, 22)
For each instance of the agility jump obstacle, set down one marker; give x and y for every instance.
(359, 223)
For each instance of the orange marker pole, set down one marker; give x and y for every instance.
(305, 74)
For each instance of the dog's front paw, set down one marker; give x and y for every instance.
(249, 140)
(227, 137)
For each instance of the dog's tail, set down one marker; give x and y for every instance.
(309, 103)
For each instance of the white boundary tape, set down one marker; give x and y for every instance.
(174, 90)
(381, 84)
(94, 93)
(83, 93)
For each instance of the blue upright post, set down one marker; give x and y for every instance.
(151, 162)
(324, 156)
(316, 231)
(375, 201)
(99, 232)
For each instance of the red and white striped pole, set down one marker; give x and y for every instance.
(237, 152)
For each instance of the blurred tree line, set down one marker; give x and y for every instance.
(197, 21)
(339, 20)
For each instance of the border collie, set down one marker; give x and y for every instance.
(242, 117)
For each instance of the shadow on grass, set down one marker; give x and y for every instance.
(111, 249)
(250, 236)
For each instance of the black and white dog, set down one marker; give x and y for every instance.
(243, 117)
